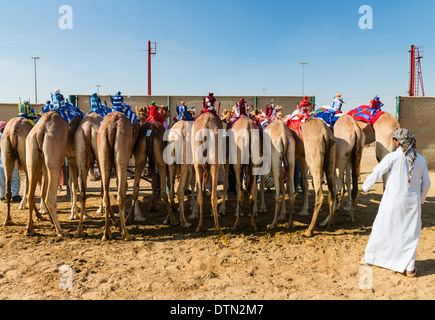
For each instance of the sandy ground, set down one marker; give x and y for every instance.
(166, 263)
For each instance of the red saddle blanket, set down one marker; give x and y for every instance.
(295, 123)
(366, 114)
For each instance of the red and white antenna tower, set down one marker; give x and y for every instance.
(152, 50)
(415, 74)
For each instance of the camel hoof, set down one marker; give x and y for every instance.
(308, 234)
(30, 233)
(282, 217)
(193, 216)
(8, 223)
(41, 218)
(186, 224)
(304, 213)
(289, 226)
(139, 219)
(63, 234)
(79, 235)
(271, 227)
(73, 216)
(106, 238)
(235, 228)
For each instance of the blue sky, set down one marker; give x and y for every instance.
(233, 47)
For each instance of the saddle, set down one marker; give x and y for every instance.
(329, 117)
(366, 114)
(295, 122)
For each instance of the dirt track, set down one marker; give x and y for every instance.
(165, 262)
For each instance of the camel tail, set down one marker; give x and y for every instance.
(10, 145)
(355, 158)
(150, 147)
(206, 173)
(13, 141)
(285, 146)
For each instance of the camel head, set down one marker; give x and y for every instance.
(227, 115)
(142, 113)
(164, 111)
(256, 112)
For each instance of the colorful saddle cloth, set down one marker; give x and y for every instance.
(67, 110)
(28, 113)
(234, 119)
(329, 117)
(295, 123)
(366, 114)
(127, 111)
(101, 109)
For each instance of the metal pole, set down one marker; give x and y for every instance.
(98, 88)
(303, 76)
(36, 87)
(149, 68)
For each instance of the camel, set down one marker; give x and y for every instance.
(350, 141)
(179, 136)
(300, 157)
(380, 133)
(86, 152)
(46, 146)
(116, 141)
(241, 137)
(13, 146)
(72, 165)
(155, 147)
(320, 149)
(206, 146)
(282, 151)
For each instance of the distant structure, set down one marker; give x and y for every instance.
(152, 50)
(415, 74)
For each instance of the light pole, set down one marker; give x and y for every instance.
(303, 75)
(264, 91)
(36, 90)
(98, 88)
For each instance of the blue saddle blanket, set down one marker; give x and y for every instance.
(128, 112)
(101, 109)
(328, 117)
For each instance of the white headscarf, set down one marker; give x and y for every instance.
(408, 143)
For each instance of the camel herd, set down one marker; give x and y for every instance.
(40, 152)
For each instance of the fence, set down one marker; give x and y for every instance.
(417, 115)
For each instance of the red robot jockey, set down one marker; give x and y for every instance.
(208, 104)
(241, 110)
(155, 115)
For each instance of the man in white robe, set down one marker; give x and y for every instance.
(397, 227)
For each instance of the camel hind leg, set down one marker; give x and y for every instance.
(214, 170)
(239, 175)
(180, 194)
(199, 171)
(329, 169)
